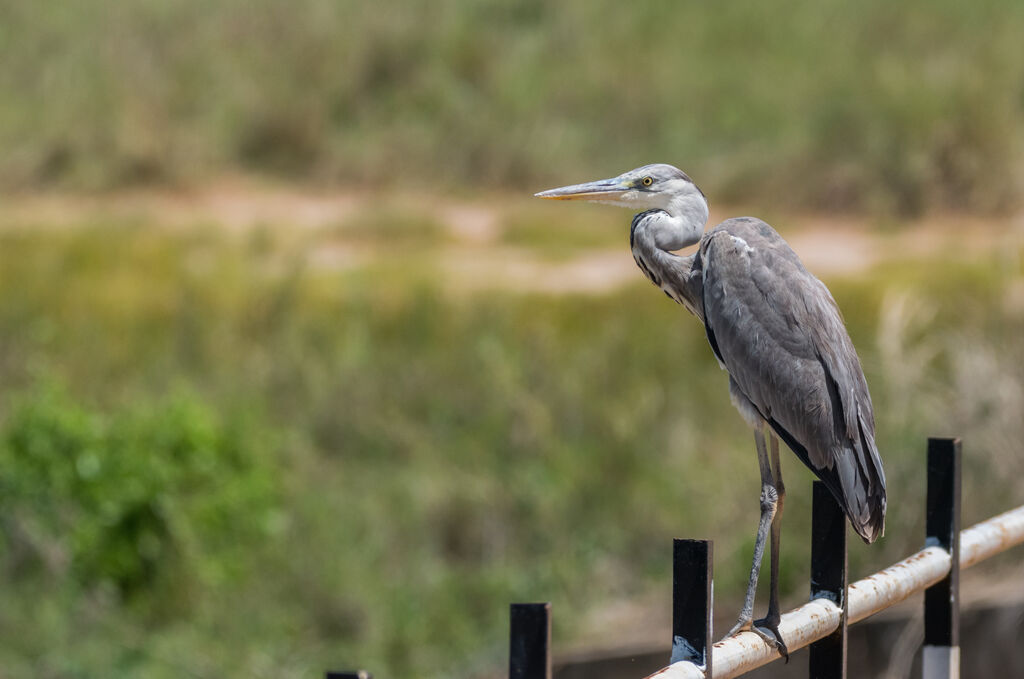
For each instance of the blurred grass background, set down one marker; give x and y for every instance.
(223, 458)
(811, 105)
(271, 450)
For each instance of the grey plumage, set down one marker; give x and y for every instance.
(776, 329)
(778, 332)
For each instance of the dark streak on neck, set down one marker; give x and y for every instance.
(637, 218)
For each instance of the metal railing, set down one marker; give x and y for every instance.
(822, 622)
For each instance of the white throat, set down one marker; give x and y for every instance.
(682, 222)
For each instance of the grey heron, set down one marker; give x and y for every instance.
(775, 328)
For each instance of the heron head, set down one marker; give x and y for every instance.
(658, 186)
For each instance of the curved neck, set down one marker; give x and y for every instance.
(655, 234)
(691, 213)
(679, 224)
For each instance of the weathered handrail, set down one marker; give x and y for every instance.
(820, 617)
(821, 621)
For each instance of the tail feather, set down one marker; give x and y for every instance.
(870, 507)
(855, 479)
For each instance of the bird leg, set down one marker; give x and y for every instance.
(769, 497)
(771, 620)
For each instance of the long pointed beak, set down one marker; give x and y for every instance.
(599, 190)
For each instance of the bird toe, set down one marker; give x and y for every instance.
(744, 624)
(769, 631)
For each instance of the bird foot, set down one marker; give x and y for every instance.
(742, 625)
(768, 629)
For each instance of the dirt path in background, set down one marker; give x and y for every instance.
(474, 256)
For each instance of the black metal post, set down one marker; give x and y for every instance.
(691, 602)
(357, 674)
(828, 580)
(529, 655)
(941, 656)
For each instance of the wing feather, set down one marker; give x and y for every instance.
(779, 333)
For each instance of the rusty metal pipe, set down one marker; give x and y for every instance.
(819, 617)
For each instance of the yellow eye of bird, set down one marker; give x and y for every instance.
(647, 181)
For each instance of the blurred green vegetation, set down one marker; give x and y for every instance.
(268, 451)
(222, 457)
(135, 500)
(864, 106)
